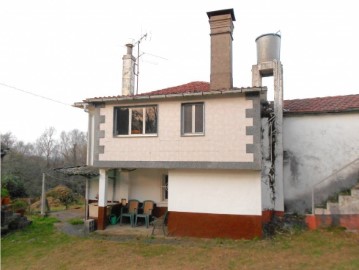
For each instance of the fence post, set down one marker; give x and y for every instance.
(43, 196)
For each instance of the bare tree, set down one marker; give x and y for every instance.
(46, 145)
(73, 146)
(7, 140)
(25, 162)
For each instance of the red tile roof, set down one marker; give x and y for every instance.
(191, 87)
(322, 104)
(308, 105)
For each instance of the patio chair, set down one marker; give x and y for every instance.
(130, 211)
(145, 212)
(160, 222)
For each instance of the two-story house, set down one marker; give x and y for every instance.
(194, 149)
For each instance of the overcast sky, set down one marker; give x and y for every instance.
(69, 50)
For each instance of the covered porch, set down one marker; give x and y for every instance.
(108, 190)
(200, 203)
(115, 188)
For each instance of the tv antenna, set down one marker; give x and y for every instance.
(138, 42)
(137, 70)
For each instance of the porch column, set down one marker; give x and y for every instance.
(102, 200)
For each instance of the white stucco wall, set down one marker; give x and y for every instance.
(94, 189)
(316, 146)
(225, 136)
(145, 184)
(215, 191)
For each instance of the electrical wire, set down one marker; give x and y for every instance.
(33, 94)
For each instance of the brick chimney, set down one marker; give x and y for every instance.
(221, 24)
(128, 72)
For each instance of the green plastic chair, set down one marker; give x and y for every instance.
(146, 212)
(130, 211)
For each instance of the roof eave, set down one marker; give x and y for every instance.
(175, 95)
(286, 112)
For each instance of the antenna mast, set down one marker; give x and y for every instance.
(138, 42)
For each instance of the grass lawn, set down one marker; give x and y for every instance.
(41, 246)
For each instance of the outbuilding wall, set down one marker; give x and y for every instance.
(315, 146)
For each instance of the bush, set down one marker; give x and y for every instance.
(14, 185)
(4, 192)
(19, 204)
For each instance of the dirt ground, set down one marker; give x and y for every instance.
(115, 232)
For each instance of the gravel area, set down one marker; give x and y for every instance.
(65, 227)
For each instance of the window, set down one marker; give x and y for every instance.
(164, 188)
(192, 118)
(135, 120)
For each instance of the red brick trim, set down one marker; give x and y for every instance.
(351, 222)
(267, 215)
(214, 225)
(159, 211)
(102, 218)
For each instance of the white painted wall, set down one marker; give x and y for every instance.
(141, 184)
(225, 137)
(215, 191)
(316, 146)
(94, 189)
(145, 184)
(267, 193)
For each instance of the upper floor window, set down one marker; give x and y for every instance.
(192, 118)
(135, 120)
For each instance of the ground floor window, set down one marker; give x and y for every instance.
(164, 187)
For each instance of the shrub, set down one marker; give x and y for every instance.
(19, 204)
(14, 185)
(4, 192)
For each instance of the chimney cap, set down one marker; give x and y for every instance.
(221, 12)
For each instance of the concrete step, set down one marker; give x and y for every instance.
(348, 204)
(333, 208)
(321, 211)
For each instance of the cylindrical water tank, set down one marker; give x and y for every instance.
(268, 47)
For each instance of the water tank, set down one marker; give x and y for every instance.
(268, 47)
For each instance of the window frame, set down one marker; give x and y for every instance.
(130, 108)
(193, 119)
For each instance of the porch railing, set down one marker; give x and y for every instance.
(335, 174)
